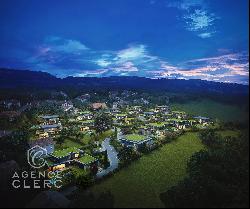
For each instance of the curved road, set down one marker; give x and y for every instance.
(112, 157)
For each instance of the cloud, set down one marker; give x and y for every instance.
(185, 4)
(225, 68)
(126, 67)
(199, 20)
(132, 53)
(197, 16)
(53, 55)
(91, 73)
(205, 35)
(103, 62)
(127, 60)
(57, 44)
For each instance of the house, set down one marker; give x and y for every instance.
(50, 119)
(41, 134)
(61, 159)
(137, 108)
(89, 123)
(86, 161)
(120, 116)
(144, 130)
(179, 114)
(84, 98)
(98, 105)
(202, 120)
(157, 126)
(160, 133)
(51, 129)
(84, 128)
(66, 154)
(129, 120)
(86, 115)
(162, 109)
(66, 106)
(181, 126)
(135, 141)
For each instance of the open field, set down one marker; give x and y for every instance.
(140, 184)
(135, 137)
(229, 133)
(86, 159)
(68, 143)
(216, 110)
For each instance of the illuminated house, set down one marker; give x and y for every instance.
(51, 129)
(135, 141)
(50, 119)
(64, 158)
(202, 120)
(97, 106)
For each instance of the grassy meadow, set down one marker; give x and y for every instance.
(213, 109)
(140, 184)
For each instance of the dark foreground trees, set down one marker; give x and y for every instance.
(218, 176)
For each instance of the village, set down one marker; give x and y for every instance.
(96, 136)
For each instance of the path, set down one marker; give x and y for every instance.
(112, 157)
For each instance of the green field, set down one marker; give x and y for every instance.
(216, 110)
(229, 133)
(140, 184)
(68, 143)
(65, 152)
(134, 137)
(86, 159)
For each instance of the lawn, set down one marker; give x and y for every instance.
(135, 137)
(86, 159)
(140, 184)
(216, 110)
(228, 133)
(65, 152)
(157, 124)
(68, 143)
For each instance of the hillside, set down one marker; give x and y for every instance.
(23, 78)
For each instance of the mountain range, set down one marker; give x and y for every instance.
(12, 78)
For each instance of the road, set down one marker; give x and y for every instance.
(112, 157)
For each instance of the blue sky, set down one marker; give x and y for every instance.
(185, 39)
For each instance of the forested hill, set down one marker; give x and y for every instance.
(23, 78)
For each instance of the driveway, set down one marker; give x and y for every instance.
(112, 157)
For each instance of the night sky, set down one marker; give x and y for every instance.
(185, 39)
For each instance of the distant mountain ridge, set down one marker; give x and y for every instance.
(10, 78)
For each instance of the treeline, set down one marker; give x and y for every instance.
(217, 176)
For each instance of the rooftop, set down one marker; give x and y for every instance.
(50, 126)
(66, 152)
(86, 159)
(50, 116)
(202, 118)
(135, 137)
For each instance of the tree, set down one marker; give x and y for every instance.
(81, 177)
(217, 177)
(127, 155)
(210, 138)
(102, 123)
